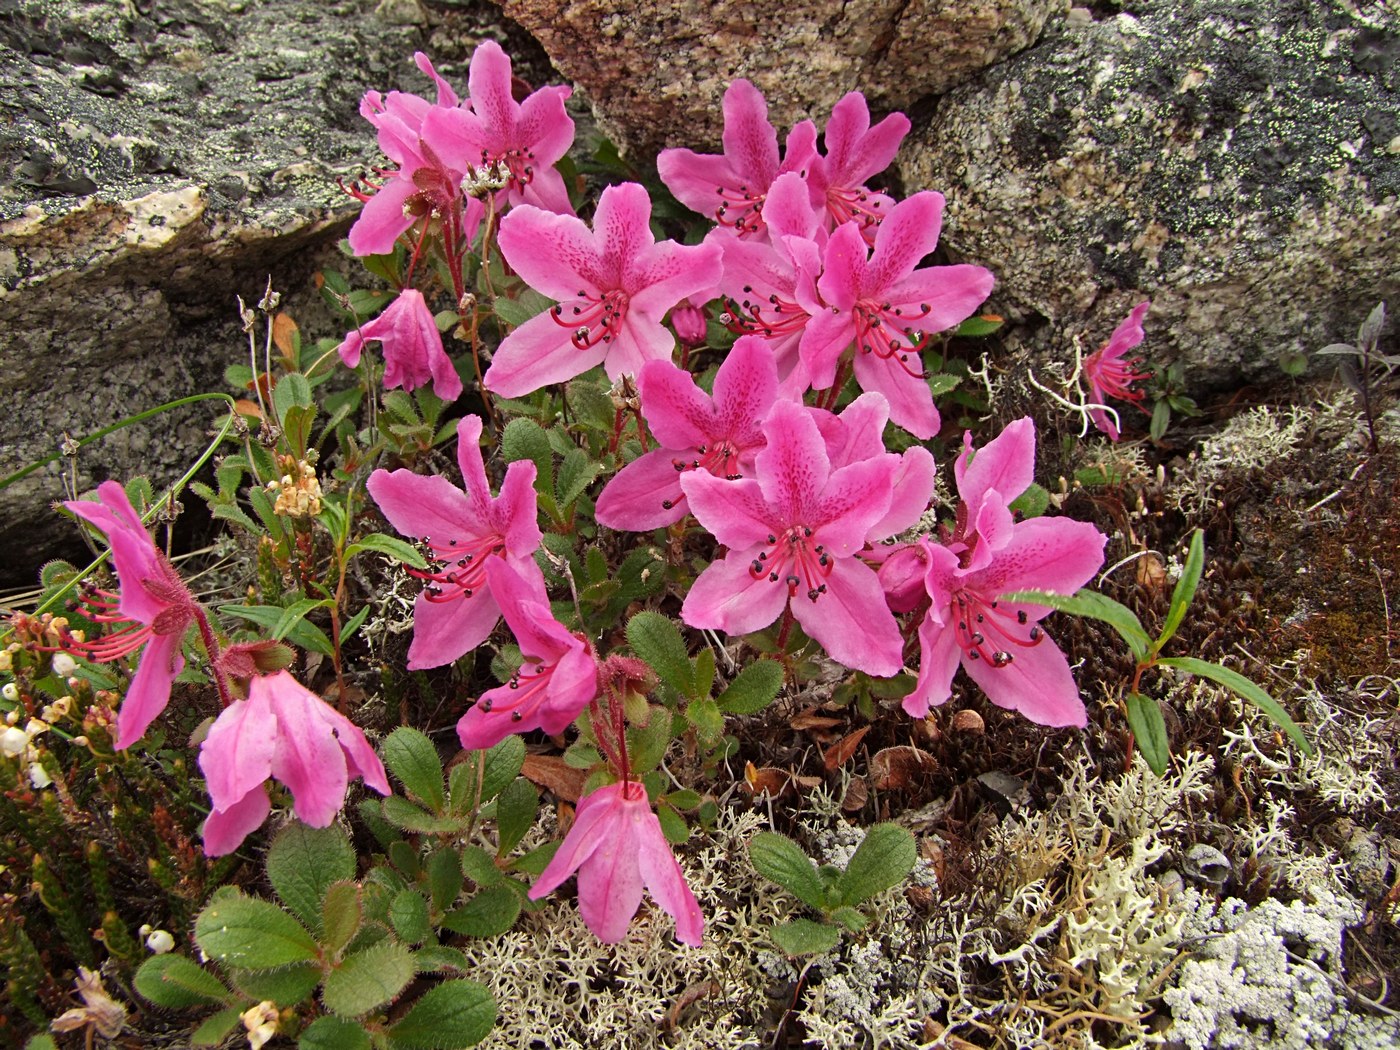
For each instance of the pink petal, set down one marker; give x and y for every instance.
(951, 293)
(514, 512)
(939, 656)
(236, 755)
(664, 879)
(844, 265)
(679, 413)
(735, 512)
(638, 340)
(596, 819)
(1006, 463)
(909, 232)
(308, 758)
(1038, 683)
(852, 621)
(858, 432)
(750, 142)
(854, 150)
(488, 86)
(573, 684)
(545, 190)
(911, 400)
(382, 220)
(912, 490)
(856, 497)
(634, 498)
(793, 468)
(788, 208)
(149, 692)
(727, 597)
(1046, 554)
(555, 254)
(825, 338)
(745, 388)
(659, 276)
(537, 354)
(446, 96)
(1129, 332)
(622, 228)
(224, 830)
(694, 178)
(610, 883)
(426, 507)
(547, 128)
(443, 632)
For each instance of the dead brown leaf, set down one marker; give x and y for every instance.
(896, 768)
(839, 753)
(552, 772)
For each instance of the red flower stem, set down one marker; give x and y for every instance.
(216, 654)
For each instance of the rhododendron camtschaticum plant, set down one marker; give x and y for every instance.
(617, 847)
(456, 611)
(1110, 374)
(613, 284)
(154, 604)
(283, 731)
(960, 577)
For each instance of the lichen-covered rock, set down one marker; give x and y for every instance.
(657, 69)
(1234, 160)
(155, 162)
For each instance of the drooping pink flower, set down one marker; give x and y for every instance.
(1110, 374)
(617, 848)
(154, 605)
(719, 434)
(964, 574)
(558, 679)
(614, 284)
(427, 177)
(413, 353)
(793, 533)
(286, 732)
(527, 137)
(464, 530)
(770, 285)
(855, 152)
(731, 187)
(882, 308)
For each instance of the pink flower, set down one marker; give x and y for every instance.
(284, 731)
(731, 187)
(558, 679)
(528, 138)
(464, 530)
(1110, 374)
(855, 152)
(155, 606)
(428, 177)
(696, 432)
(883, 308)
(614, 284)
(793, 532)
(988, 554)
(413, 353)
(617, 848)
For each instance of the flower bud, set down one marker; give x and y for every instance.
(10, 692)
(160, 941)
(13, 741)
(689, 322)
(64, 665)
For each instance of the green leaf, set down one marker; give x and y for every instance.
(778, 859)
(704, 714)
(684, 799)
(291, 391)
(526, 439)
(940, 383)
(884, 858)
(1031, 503)
(455, 1014)
(576, 473)
(333, 1033)
(216, 1028)
(1096, 607)
(435, 957)
(490, 913)
(503, 764)
(444, 877)
(515, 312)
(1161, 419)
(703, 676)
(175, 982)
(341, 915)
(516, 807)
(647, 744)
(1184, 591)
(673, 825)
(404, 814)
(1247, 689)
(303, 862)
(1150, 731)
(657, 640)
(983, 324)
(368, 979)
(849, 917)
(408, 913)
(413, 758)
(753, 688)
(590, 404)
(294, 614)
(243, 931)
(805, 937)
(479, 866)
(534, 862)
(286, 986)
(396, 548)
(303, 634)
